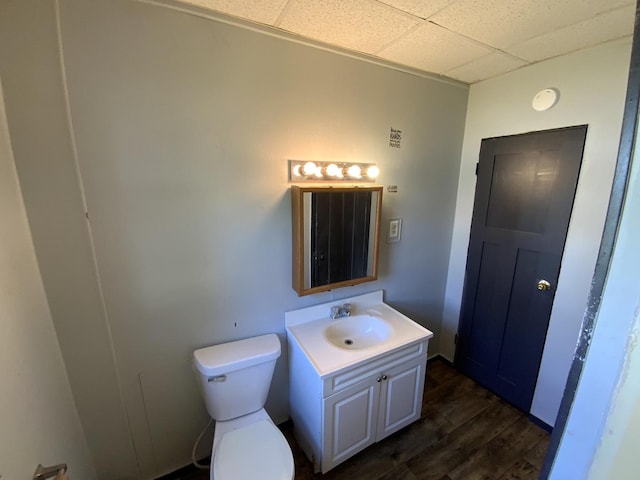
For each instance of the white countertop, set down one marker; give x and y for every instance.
(306, 328)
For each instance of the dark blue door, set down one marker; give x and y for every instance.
(523, 201)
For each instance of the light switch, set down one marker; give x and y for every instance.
(395, 228)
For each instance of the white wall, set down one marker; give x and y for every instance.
(602, 434)
(39, 421)
(592, 86)
(183, 126)
(44, 157)
(617, 454)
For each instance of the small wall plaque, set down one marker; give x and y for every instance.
(395, 137)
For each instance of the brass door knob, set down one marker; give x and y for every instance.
(543, 285)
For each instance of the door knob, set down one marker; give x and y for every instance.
(543, 285)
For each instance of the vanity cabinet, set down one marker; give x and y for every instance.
(364, 413)
(339, 415)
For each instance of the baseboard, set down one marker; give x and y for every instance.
(543, 425)
(439, 358)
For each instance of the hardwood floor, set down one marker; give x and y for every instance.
(465, 433)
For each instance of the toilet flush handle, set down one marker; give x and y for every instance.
(219, 378)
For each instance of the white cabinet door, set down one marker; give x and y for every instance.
(400, 396)
(349, 422)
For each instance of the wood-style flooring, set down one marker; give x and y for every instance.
(465, 433)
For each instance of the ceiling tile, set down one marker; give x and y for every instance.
(599, 29)
(469, 40)
(419, 8)
(485, 67)
(261, 11)
(502, 23)
(433, 49)
(355, 24)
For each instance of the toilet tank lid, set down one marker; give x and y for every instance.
(228, 357)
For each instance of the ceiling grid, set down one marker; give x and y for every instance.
(466, 40)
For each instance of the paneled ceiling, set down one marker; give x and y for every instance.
(467, 40)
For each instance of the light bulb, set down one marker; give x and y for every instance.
(354, 171)
(309, 168)
(296, 170)
(373, 172)
(333, 170)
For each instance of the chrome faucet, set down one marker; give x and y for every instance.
(339, 311)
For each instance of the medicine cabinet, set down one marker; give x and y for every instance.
(336, 232)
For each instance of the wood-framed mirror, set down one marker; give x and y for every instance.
(336, 232)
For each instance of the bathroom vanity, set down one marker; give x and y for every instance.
(354, 380)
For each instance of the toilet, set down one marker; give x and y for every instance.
(235, 378)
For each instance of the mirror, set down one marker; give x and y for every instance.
(335, 236)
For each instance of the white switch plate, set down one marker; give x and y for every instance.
(395, 229)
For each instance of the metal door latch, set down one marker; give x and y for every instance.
(543, 285)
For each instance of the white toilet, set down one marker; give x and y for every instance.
(235, 379)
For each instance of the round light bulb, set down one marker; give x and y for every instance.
(333, 170)
(297, 170)
(354, 171)
(309, 168)
(373, 172)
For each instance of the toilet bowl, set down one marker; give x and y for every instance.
(235, 378)
(251, 449)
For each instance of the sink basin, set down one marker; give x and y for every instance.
(357, 332)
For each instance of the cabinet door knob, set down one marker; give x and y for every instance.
(378, 379)
(384, 377)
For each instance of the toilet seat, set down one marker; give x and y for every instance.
(258, 450)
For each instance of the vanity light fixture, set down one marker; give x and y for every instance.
(306, 171)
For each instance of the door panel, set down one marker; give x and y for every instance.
(401, 397)
(524, 195)
(521, 192)
(352, 412)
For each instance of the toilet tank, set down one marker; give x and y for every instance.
(235, 377)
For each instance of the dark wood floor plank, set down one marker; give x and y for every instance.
(458, 399)
(500, 453)
(454, 449)
(521, 470)
(536, 454)
(401, 472)
(366, 465)
(470, 400)
(439, 371)
(413, 439)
